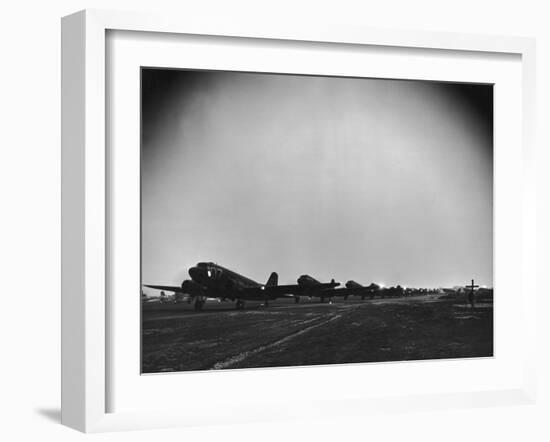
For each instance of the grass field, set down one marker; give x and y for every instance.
(175, 338)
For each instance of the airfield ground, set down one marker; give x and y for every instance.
(176, 338)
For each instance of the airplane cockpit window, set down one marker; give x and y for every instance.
(212, 271)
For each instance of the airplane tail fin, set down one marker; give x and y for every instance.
(273, 280)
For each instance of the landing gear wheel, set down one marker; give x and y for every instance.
(297, 300)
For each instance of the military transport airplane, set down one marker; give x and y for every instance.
(355, 289)
(209, 280)
(310, 287)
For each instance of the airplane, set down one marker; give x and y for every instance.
(210, 280)
(310, 287)
(356, 289)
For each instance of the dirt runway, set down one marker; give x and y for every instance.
(176, 338)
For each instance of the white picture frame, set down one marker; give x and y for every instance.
(86, 356)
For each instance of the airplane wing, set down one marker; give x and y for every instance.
(168, 288)
(281, 290)
(300, 290)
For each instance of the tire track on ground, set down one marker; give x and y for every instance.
(232, 360)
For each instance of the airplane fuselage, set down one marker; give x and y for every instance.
(224, 283)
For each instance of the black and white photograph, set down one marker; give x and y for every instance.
(298, 220)
(267, 221)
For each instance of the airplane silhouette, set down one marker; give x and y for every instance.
(310, 287)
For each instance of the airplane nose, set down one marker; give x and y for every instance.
(194, 273)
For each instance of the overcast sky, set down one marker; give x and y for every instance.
(372, 180)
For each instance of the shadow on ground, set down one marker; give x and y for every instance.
(51, 414)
